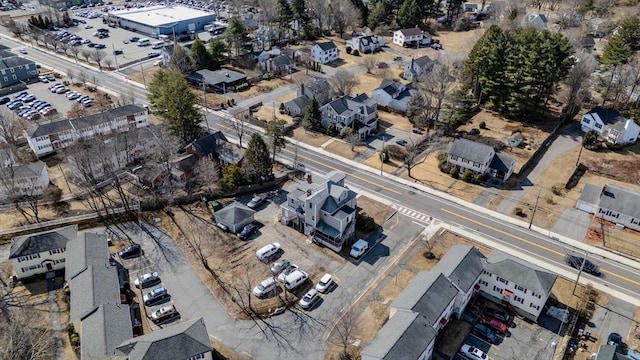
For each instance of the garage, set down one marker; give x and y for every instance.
(235, 216)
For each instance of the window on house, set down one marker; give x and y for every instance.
(504, 281)
(497, 289)
(586, 121)
(599, 126)
(521, 289)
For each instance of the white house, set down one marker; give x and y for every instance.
(23, 180)
(6, 157)
(393, 94)
(611, 126)
(416, 67)
(367, 44)
(47, 138)
(521, 286)
(412, 37)
(612, 203)
(537, 21)
(41, 252)
(325, 52)
(323, 209)
(480, 159)
(344, 111)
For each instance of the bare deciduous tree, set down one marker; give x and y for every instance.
(108, 62)
(345, 15)
(238, 124)
(435, 85)
(64, 47)
(86, 54)
(343, 334)
(75, 50)
(77, 110)
(208, 173)
(369, 63)
(98, 55)
(343, 82)
(23, 340)
(83, 76)
(11, 127)
(577, 86)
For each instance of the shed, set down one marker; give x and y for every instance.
(235, 216)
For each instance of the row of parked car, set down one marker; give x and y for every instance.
(290, 275)
(59, 88)
(28, 106)
(491, 326)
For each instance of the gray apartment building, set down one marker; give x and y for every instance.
(14, 69)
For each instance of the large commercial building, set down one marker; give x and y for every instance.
(162, 20)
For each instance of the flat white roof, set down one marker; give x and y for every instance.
(160, 15)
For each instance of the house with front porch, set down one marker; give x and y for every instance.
(367, 44)
(324, 52)
(359, 112)
(479, 159)
(412, 37)
(39, 253)
(414, 68)
(521, 286)
(611, 126)
(322, 208)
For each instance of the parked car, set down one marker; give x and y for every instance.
(473, 352)
(164, 313)
(256, 201)
(247, 231)
(118, 52)
(72, 95)
(494, 323)
(309, 299)
(29, 98)
(134, 39)
(288, 270)
(325, 283)
(401, 142)
(266, 287)
(155, 296)
(5, 100)
(484, 332)
(359, 248)
(130, 251)
(101, 46)
(48, 111)
(20, 95)
(614, 339)
(576, 262)
(14, 105)
(500, 315)
(148, 279)
(153, 54)
(43, 79)
(61, 90)
(88, 27)
(279, 266)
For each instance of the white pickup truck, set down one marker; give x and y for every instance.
(359, 248)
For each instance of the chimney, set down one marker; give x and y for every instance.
(309, 179)
(301, 90)
(226, 74)
(309, 192)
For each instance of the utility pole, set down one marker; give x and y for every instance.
(115, 56)
(382, 155)
(575, 285)
(535, 208)
(143, 78)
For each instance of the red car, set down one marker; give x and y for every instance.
(496, 324)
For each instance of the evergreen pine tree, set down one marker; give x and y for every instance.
(257, 160)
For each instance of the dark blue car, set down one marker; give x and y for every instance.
(485, 333)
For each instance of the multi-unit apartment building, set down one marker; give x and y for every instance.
(39, 253)
(323, 209)
(612, 203)
(50, 137)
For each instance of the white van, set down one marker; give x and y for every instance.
(158, 45)
(164, 38)
(267, 251)
(295, 279)
(143, 42)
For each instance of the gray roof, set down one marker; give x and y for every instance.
(411, 31)
(607, 116)
(234, 213)
(11, 62)
(104, 330)
(608, 352)
(85, 250)
(6, 154)
(50, 128)
(208, 144)
(218, 77)
(175, 342)
(502, 163)
(92, 287)
(591, 193)
(390, 87)
(327, 45)
(428, 294)
(405, 336)
(282, 60)
(42, 241)
(318, 86)
(469, 150)
(106, 116)
(520, 272)
(423, 61)
(624, 201)
(462, 264)
(347, 104)
(300, 102)
(332, 203)
(27, 171)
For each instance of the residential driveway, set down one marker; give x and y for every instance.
(573, 223)
(615, 316)
(570, 137)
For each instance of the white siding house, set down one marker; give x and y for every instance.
(346, 110)
(612, 203)
(41, 252)
(324, 53)
(47, 138)
(480, 159)
(412, 37)
(23, 180)
(610, 125)
(521, 286)
(323, 209)
(367, 44)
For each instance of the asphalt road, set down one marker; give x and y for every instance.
(615, 275)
